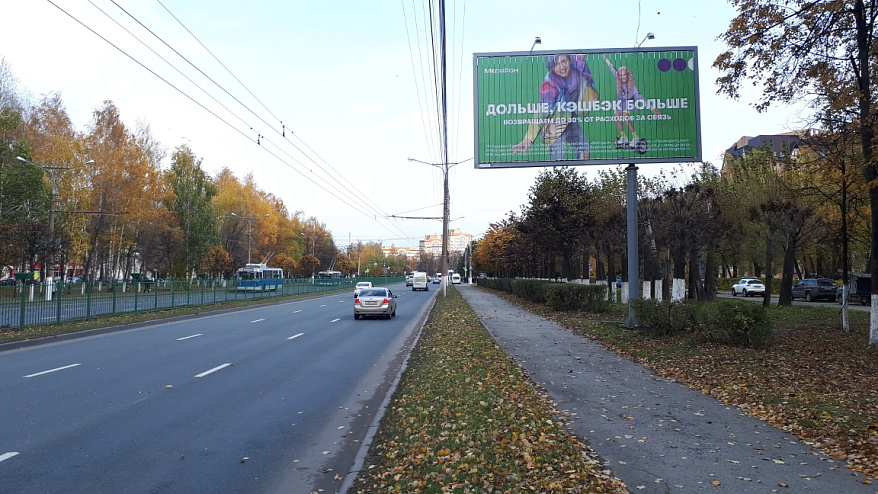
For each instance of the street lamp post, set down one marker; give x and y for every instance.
(249, 219)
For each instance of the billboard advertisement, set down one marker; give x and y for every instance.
(586, 107)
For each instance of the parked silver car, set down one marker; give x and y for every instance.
(375, 301)
(748, 287)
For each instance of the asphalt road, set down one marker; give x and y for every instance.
(824, 303)
(276, 398)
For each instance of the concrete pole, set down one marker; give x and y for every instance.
(633, 254)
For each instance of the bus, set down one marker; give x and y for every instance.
(259, 278)
(328, 277)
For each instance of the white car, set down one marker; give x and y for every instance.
(360, 285)
(748, 287)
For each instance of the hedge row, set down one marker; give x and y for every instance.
(558, 296)
(724, 321)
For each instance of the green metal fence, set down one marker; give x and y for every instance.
(27, 304)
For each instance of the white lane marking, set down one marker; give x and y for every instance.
(257, 320)
(297, 311)
(191, 336)
(295, 336)
(6, 456)
(335, 320)
(213, 370)
(52, 370)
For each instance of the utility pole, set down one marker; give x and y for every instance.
(249, 219)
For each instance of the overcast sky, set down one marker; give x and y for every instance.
(349, 80)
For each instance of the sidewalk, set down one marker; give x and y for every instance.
(655, 434)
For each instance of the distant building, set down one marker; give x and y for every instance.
(410, 253)
(782, 145)
(431, 245)
(457, 242)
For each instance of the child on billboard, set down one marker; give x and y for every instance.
(626, 94)
(568, 80)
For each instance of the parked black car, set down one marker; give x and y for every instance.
(812, 289)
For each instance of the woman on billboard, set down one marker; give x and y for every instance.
(568, 80)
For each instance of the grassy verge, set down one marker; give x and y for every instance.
(465, 419)
(814, 380)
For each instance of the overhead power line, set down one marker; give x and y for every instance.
(378, 213)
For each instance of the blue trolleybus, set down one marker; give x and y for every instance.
(259, 277)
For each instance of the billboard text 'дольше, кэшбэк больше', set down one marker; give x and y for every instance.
(586, 107)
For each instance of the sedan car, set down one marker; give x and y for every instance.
(360, 285)
(409, 280)
(375, 301)
(815, 289)
(748, 287)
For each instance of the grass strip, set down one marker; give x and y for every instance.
(466, 419)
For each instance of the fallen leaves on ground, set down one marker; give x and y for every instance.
(465, 419)
(814, 381)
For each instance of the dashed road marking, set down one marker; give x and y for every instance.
(211, 371)
(52, 370)
(6, 456)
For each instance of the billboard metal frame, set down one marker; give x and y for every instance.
(519, 125)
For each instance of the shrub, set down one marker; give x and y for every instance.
(662, 318)
(501, 284)
(569, 296)
(733, 322)
(531, 290)
(725, 321)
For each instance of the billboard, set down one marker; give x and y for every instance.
(586, 107)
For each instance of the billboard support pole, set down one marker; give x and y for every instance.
(633, 254)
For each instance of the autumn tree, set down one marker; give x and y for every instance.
(821, 51)
(193, 190)
(217, 263)
(61, 155)
(285, 262)
(344, 264)
(558, 215)
(308, 265)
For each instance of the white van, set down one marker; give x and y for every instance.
(455, 279)
(419, 281)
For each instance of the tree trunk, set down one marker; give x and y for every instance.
(786, 285)
(709, 280)
(769, 248)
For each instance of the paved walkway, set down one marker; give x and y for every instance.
(654, 433)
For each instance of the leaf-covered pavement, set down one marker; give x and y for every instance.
(814, 381)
